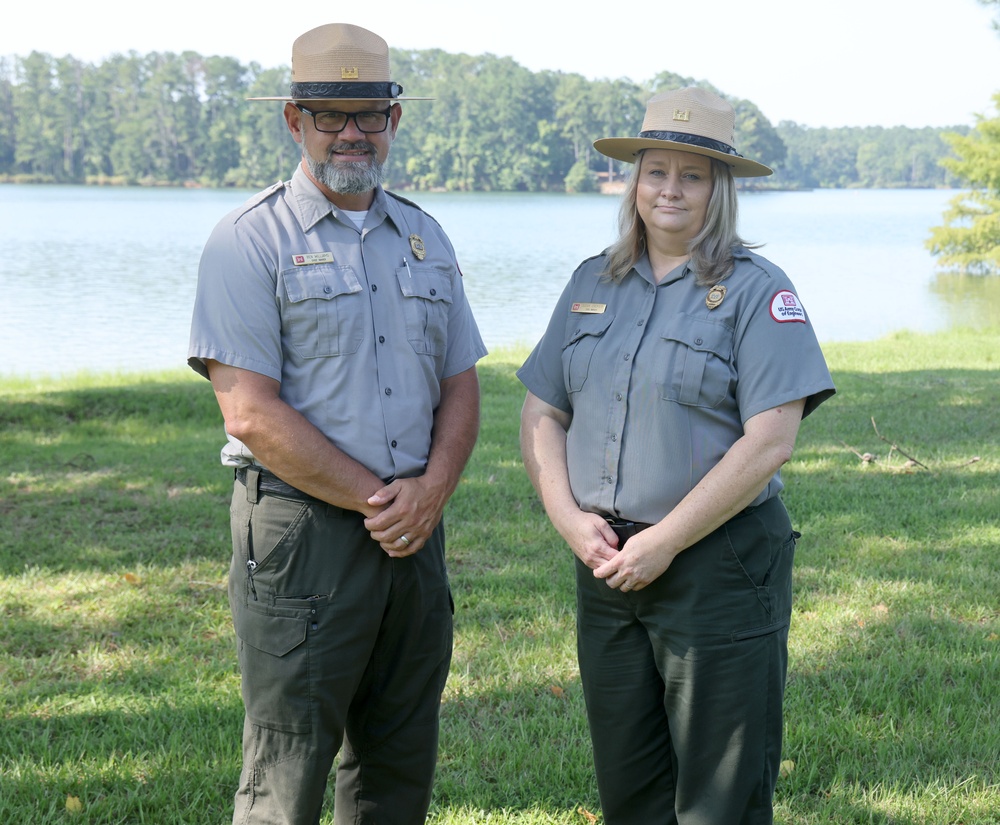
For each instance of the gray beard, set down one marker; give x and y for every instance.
(347, 179)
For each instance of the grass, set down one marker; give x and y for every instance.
(120, 694)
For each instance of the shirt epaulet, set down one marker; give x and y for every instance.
(259, 198)
(416, 206)
(586, 261)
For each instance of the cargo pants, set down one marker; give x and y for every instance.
(684, 679)
(341, 649)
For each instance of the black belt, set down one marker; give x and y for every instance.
(625, 529)
(269, 483)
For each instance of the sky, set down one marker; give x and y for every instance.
(849, 63)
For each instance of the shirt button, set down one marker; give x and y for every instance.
(628, 357)
(618, 396)
(327, 290)
(393, 443)
(434, 292)
(374, 287)
(614, 438)
(699, 341)
(388, 390)
(381, 339)
(641, 323)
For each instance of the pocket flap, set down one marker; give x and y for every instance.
(580, 326)
(423, 282)
(702, 336)
(324, 282)
(276, 635)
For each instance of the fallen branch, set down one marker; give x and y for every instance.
(895, 447)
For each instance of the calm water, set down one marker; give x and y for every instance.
(103, 278)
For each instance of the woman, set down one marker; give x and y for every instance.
(662, 400)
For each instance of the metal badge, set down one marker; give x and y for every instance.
(715, 296)
(417, 245)
(588, 309)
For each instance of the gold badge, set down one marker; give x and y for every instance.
(715, 296)
(348, 72)
(417, 245)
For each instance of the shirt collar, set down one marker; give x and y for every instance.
(645, 271)
(313, 206)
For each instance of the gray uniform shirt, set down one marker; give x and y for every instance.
(659, 383)
(359, 327)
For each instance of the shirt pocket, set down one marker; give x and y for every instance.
(426, 305)
(324, 314)
(583, 334)
(697, 358)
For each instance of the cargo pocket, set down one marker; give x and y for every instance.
(428, 301)
(584, 333)
(697, 356)
(324, 311)
(274, 661)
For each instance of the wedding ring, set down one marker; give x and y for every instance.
(404, 539)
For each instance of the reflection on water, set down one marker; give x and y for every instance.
(968, 300)
(103, 279)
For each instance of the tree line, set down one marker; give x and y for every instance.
(183, 119)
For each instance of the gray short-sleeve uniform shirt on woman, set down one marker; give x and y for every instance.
(359, 327)
(660, 378)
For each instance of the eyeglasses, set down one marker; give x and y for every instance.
(367, 122)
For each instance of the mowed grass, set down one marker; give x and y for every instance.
(118, 680)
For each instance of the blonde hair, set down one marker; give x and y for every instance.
(711, 249)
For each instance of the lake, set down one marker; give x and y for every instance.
(103, 279)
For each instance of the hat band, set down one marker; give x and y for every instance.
(346, 91)
(693, 140)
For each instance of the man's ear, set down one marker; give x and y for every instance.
(293, 119)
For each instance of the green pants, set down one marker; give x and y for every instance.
(684, 680)
(340, 646)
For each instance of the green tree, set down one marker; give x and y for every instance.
(970, 239)
(224, 87)
(7, 119)
(37, 144)
(755, 136)
(266, 149)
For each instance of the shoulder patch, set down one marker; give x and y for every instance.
(785, 308)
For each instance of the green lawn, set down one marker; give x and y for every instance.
(118, 682)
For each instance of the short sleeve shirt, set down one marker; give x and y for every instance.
(359, 327)
(660, 378)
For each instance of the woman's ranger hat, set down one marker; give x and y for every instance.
(690, 120)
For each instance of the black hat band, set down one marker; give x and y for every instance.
(693, 140)
(346, 91)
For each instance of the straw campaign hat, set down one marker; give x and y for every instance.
(339, 61)
(690, 120)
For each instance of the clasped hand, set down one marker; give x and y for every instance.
(632, 568)
(410, 510)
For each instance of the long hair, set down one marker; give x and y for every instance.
(711, 250)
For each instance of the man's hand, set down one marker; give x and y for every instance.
(410, 510)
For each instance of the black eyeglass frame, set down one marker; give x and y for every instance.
(348, 117)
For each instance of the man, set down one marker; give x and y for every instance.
(331, 320)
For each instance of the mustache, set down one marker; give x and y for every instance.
(353, 146)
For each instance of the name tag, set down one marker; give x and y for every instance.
(588, 309)
(306, 258)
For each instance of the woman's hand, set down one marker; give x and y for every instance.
(589, 536)
(641, 561)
